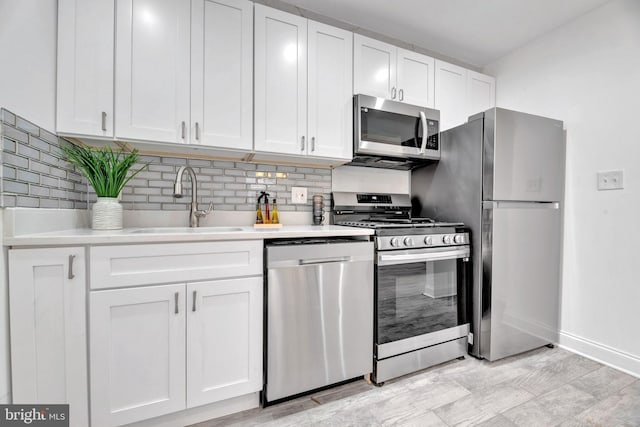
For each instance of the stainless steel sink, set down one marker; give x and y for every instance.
(174, 230)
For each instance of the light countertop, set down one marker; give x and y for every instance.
(85, 236)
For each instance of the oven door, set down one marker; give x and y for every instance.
(388, 128)
(422, 298)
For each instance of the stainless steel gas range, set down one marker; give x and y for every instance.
(422, 282)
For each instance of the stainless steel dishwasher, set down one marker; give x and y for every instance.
(319, 314)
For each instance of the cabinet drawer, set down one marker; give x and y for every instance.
(136, 265)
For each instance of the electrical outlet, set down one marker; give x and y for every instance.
(610, 180)
(299, 195)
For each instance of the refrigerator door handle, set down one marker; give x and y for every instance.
(503, 204)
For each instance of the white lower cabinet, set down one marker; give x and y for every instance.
(137, 353)
(47, 297)
(162, 348)
(224, 339)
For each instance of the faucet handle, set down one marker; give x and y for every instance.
(201, 213)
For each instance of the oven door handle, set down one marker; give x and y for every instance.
(425, 131)
(407, 258)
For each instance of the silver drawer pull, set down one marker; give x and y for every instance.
(302, 144)
(71, 275)
(197, 131)
(393, 92)
(313, 144)
(104, 121)
(175, 299)
(184, 130)
(193, 307)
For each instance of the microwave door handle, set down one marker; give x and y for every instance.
(423, 119)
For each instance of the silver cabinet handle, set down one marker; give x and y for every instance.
(393, 92)
(302, 145)
(193, 307)
(197, 131)
(71, 275)
(104, 120)
(175, 301)
(401, 94)
(313, 144)
(184, 130)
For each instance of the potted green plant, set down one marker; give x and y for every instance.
(107, 172)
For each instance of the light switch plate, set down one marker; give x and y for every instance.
(299, 195)
(610, 180)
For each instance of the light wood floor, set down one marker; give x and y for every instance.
(544, 387)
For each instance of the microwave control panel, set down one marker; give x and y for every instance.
(432, 135)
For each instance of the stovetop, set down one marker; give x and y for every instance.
(399, 223)
(389, 215)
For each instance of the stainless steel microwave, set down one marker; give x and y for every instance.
(393, 134)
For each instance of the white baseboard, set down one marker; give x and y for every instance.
(606, 355)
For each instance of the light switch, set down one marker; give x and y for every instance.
(610, 180)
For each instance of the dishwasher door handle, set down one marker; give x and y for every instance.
(324, 260)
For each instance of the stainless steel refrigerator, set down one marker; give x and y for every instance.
(502, 174)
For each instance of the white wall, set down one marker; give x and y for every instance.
(587, 73)
(27, 88)
(28, 71)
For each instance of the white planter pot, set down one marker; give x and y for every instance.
(107, 214)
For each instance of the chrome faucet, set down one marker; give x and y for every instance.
(194, 213)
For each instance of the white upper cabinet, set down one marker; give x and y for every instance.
(416, 78)
(374, 67)
(481, 92)
(47, 297)
(461, 93)
(280, 81)
(387, 71)
(222, 73)
(152, 70)
(85, 67)
(451, 94)
(330, 106)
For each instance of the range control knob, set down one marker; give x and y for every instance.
(428, 241)
(408, 241)
(458, 238)
(395, 242)
(446, 239)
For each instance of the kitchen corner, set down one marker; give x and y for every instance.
(319, 213)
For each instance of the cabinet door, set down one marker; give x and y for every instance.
(47, 303)
(330, 104)
(222, 73)
(481, 92)
(280, 81)
(137, 353)
(224, 339)
(85, 67)
(152, 70)
(416, 78)
(374, 67)
(451, 94)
